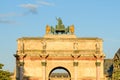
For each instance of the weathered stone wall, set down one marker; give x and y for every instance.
(77, 55)
(60, 43)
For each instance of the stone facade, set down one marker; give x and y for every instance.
(38, 57)
(82, 57)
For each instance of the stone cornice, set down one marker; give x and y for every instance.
(53, 52)
(57, 55)
(42, 38)
(62, 53)
(56, 51)
(30, 38)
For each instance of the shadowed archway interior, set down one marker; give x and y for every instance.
(59, 73)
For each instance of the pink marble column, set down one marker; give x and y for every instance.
(44, 63)
(98, 70)
(44, 69)
(75, 63)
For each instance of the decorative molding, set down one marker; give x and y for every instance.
(97, 63)
(99, 56)
(75, 63)
(79, 38)
(20, 63)
(43, 56)
(25, 51)
(44, 63)
(76, 51)
(20, 56)
(75, 56)
(43, 51)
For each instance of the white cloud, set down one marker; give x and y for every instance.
(7, 15)
(31, 7)
(45, 3)
(12, 14)
(4, 18)
(7, 21)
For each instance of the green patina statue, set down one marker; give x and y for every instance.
(59, 21)
(60, 28)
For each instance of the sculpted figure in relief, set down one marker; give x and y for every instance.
(75, 46)
(43, 45)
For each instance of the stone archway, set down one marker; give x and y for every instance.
(59, 73)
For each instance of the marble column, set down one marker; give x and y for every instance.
(43, 62)
(19, 66)
(21, 70)
(75, 64)
(98, 63)
(75, 57)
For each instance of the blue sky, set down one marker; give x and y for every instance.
(28, 18)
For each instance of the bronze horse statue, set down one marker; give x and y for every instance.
(60, 28)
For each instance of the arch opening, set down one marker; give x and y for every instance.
(59, 73)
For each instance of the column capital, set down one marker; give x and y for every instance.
(43, 56)
(44, 63)
(16, 56)
(97, 63)
(75, 56)
(21, 64)
(98, 56)
(20, 56)
(75, 63)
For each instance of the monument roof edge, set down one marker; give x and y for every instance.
(90, 38)
(60, 36)
(27, 38)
